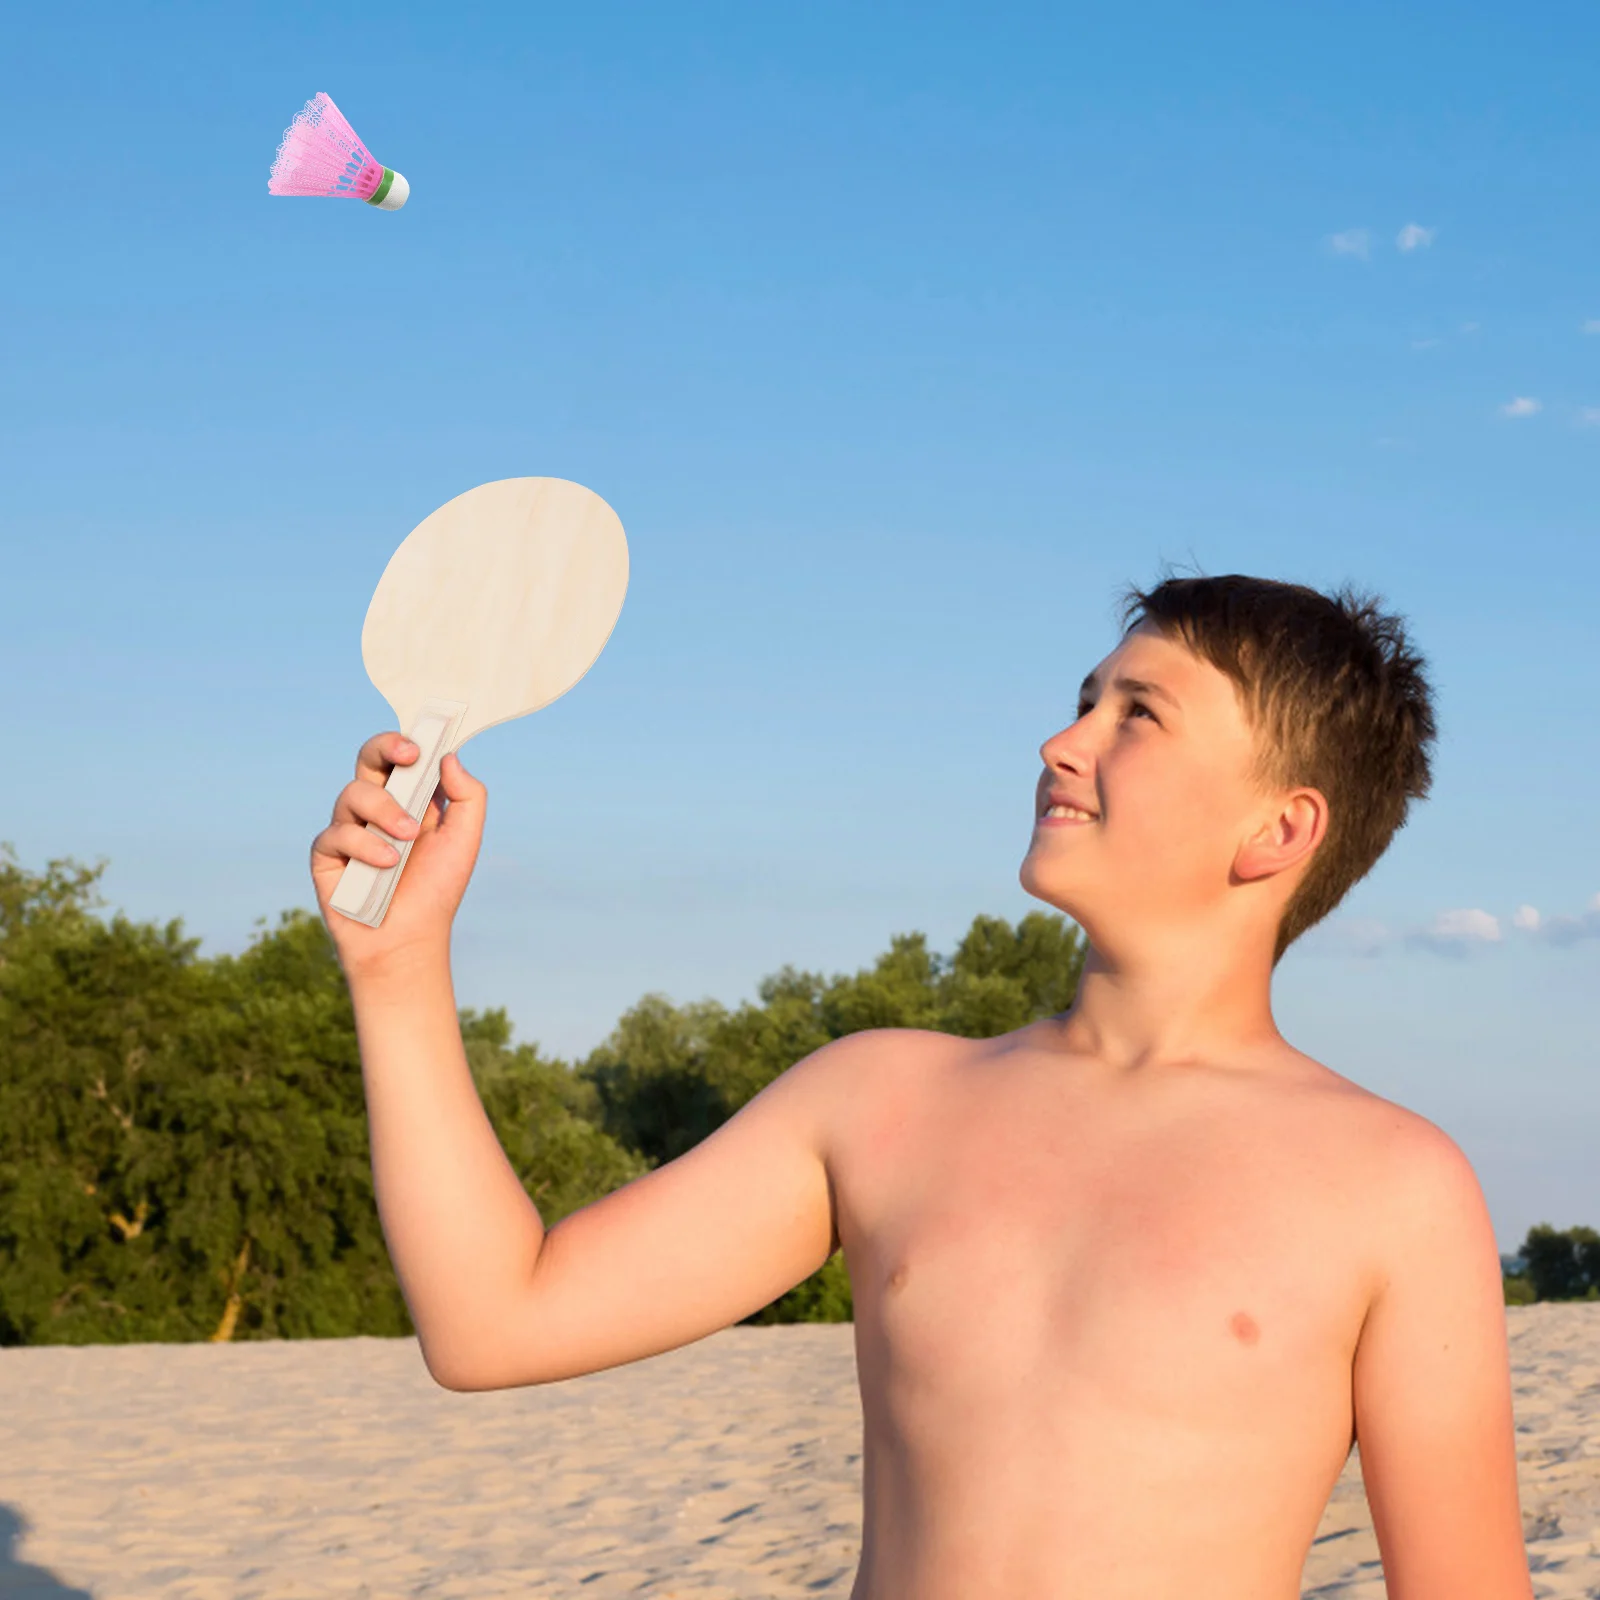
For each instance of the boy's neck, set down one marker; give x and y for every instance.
(1202, 1000)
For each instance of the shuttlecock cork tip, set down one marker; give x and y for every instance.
(392, 191)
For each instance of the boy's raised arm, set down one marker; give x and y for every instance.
(1432, 1389)
(496, 1300)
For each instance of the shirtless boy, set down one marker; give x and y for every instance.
(1128, 1281)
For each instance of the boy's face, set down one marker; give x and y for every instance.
(1161, 759)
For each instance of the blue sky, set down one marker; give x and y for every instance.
(899, 342)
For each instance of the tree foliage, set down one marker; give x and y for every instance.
(1561, 1264)
(183, 1139)
(670, 1074)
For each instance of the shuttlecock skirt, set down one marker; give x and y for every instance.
(321, 155)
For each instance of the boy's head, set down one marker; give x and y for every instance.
(1244, 735)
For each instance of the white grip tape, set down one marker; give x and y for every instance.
(364, 891)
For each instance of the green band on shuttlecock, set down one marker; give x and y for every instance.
(381, 193)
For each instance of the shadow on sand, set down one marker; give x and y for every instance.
(20, 1580)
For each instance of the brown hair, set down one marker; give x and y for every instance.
(1336, 697)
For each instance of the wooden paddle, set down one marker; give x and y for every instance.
(491, 608)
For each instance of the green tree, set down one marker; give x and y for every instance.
(668, 1075)
(183, 1142)
(1516, 1289)
(1562, 1264)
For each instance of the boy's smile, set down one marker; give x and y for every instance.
(1063, 813)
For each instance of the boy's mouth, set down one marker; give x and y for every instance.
(1060, 811)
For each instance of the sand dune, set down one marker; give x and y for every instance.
(727, 1470)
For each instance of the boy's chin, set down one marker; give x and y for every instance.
(1054, 887)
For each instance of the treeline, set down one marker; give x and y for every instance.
(1555, 1264)
(183, 1143)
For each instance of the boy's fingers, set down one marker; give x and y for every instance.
(366, 802)
(382, 752)
(350, 841)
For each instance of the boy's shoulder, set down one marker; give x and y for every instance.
(1420, 1199)
(1388, 1151)
(880, 1053)
(1396, 1150)
(1402, 1142)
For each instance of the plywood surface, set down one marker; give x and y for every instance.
(502, 599)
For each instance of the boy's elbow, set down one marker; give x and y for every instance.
(465, 1370)
(451, 1369)
(457, 1381)
(454, 1365)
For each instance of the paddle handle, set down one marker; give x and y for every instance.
(364, 891)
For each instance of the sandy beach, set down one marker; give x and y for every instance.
(730, 1469)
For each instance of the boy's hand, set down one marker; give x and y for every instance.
(441, 860)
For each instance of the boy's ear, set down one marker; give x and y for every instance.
(1288, 835)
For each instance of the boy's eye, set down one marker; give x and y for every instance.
(1135, 708)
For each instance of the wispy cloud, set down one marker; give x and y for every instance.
(1592, 325)
(1562, 928)
(1589, 416)
(1455, 932)
(1449, 933)
(1426, 344)
(1522, 406)
(1414, 237)
(1469, 327)
(1352, 242)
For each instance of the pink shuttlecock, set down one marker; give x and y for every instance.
(321, 155)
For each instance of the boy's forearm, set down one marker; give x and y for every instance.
(461, 1230)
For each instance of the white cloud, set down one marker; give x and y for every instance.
(1426, 344)
(1469, 327)
(1522, 406)
(1352, 242)
(1570, 930)
(1589, 416)
(1562, 928)
(1592, 325)
(1414, 237)
(1452, 932)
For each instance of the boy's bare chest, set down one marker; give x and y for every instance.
(1197, 1260)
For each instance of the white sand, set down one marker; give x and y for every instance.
(730, 1469)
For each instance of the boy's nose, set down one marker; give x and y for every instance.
(1063, 752)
